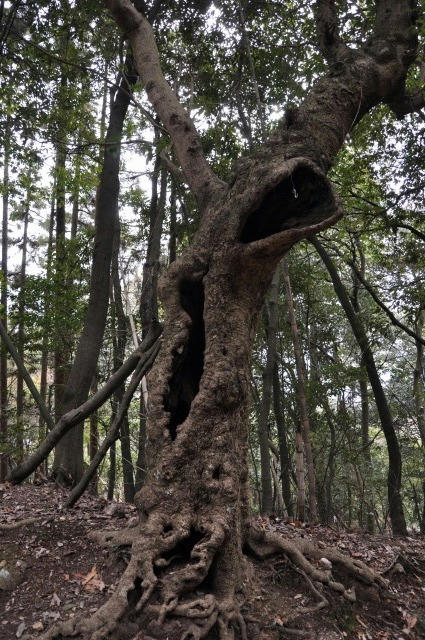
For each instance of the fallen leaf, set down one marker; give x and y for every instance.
(361, 622)
(91, 574)
(38, 626)
(410, 623)
(20, 630)
(91, 580)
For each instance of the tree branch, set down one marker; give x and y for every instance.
(380, 304)
(408, 103)
(79, 414)
(113, 433)
(172, 168)
(26, 376)
(202, 181)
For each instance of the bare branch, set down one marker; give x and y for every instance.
(384, 307)
(172, 168)
(201, 179)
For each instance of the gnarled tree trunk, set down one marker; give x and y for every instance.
(194, 512)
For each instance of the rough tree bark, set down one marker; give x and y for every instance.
(187, 558)
(395, 503)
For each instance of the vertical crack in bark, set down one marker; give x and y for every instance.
(301, 199)
(189, 365)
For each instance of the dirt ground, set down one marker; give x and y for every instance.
(50, 569)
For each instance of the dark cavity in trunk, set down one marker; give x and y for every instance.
(295, 202)
(188, 366)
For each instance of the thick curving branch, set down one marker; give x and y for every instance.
(202, 181)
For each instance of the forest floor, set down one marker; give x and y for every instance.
(50, 569)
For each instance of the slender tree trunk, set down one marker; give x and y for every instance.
(263, 419)
(300, 473)
(60, 338)
(331, 471)
(302, 397)
(394, 456)
(76, 197)
(368, 477)
(119, 344)
(4, 407)
(172, 243)
(69, 451)
(94, 439)
(285, 460)
(419, 395)
(112, 465)
(141, 445)
(367, 493)
(46, 328)
(326, 500)
(21, 337)
(149, 294)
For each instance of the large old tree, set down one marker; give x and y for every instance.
(187, 561)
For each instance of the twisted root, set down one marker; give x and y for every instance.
(265, 543)
(154, 567)
(173, 562)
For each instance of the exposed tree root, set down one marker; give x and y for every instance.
(115, 538)
(171, 562)
(9, 526)
(165, 580)
(301, 552)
